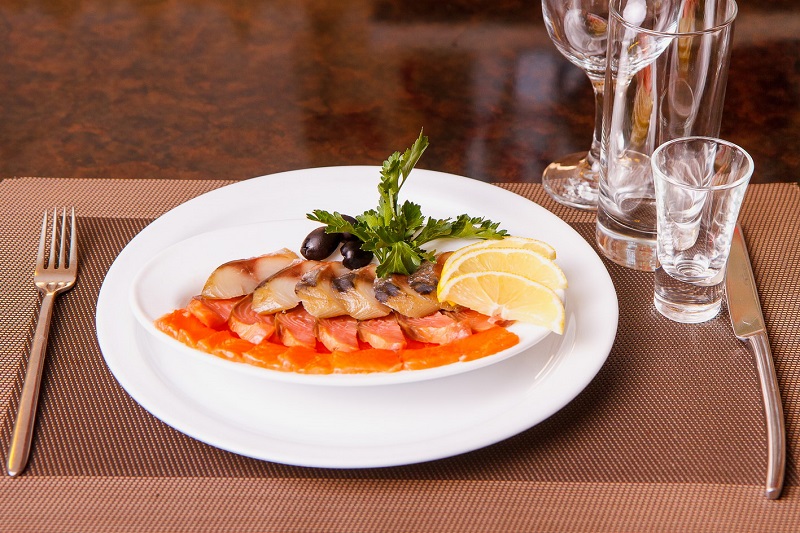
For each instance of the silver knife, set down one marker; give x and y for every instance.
(748, 325)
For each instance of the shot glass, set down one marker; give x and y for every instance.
(700, 183)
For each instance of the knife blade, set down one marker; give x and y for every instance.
(748, 325)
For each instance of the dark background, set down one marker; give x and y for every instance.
(207, 89)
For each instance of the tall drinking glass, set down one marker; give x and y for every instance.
(578, 29)
(666, 78)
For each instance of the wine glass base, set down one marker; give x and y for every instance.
(572, 181)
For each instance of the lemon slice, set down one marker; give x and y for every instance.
(522, 261)
(507, 296)
(525, 243)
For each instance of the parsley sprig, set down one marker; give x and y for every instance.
(395, 232)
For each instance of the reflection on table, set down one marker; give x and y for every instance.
(203, 89)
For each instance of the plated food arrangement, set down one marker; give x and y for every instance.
(382, 302)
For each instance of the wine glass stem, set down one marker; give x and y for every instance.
(593, 157)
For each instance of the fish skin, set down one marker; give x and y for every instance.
(277, 293)
(355, 290)
(436, 328)
(382, 333)
(240, 277)
(317, 293)
(395, 292)
(426, 278)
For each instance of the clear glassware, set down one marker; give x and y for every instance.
(666, 78)
(700, 183)
(578, 28)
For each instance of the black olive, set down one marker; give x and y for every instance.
(346, 236)
(357, 260)
(353, 256)
(350, 247)
(319, 245)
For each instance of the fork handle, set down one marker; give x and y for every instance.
(26, 413)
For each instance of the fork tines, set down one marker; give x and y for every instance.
(58, 234)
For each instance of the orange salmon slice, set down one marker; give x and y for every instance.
(302, 353)
(184, 326)
(248, 324)
(481, 344)
(266, 355)
(487, 342)
(429, 357)
(339, 333)
(436, 328)
(364, 361)
(296, 327)
(212, 312)
(306, 361)
(383, 333)
(477, 321)
(224, 344)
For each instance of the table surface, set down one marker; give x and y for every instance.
(669, 436)
(209, 89)
(158, 101)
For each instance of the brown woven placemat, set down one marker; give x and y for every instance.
(670, 434)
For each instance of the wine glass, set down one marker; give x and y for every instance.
(579, 28)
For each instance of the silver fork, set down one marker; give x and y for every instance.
(56, 275)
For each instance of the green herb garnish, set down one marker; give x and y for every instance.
(395, 232)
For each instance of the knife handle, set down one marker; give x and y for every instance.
(776, 432)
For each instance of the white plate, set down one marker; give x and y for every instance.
(171, 278)
(350, 427)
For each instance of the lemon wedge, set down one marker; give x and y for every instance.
(514, 278)
(507, 296)
(522, 261)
